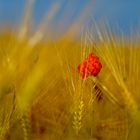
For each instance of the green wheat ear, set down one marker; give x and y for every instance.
(77, 117)
(7, 110)
(26, 125)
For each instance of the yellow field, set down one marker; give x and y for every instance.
(43, 97)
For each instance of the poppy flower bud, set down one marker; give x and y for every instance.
(90, 66)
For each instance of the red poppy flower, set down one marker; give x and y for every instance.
(90, 66)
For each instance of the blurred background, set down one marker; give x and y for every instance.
(122, 13)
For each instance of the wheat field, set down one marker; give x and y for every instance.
(44, 97)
